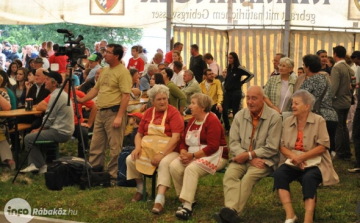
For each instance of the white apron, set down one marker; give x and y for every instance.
(207, 163)
(151, 144)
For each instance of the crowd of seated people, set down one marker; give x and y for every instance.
(291, 129)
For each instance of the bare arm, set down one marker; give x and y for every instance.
(93, 112)
(90, 95)
(123, 105)
(42, 106)
(4, 104)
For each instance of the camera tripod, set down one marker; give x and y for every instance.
(70, 90)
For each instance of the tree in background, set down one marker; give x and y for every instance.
(36, 34)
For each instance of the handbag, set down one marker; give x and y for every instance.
(315, 161)
(316, 108)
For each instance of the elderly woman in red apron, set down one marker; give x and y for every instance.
(156, 145)
(203, 151)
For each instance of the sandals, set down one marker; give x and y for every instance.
(192, 206)
(183, 213)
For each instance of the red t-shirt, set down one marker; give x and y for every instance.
(212, 134)
(61, 60)
(174, 122)
(137, 64)
(87, 104)
(168, 57)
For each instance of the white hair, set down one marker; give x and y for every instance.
(158, 89)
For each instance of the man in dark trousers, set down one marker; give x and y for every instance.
(197, 64)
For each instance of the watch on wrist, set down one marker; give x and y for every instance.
(250, 156)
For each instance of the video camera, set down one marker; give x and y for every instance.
(76, 48)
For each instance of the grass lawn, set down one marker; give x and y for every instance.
(336, 204)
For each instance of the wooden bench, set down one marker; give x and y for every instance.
(21, 127)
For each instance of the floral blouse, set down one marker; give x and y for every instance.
(316, 85)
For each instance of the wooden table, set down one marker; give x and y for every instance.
(16, 113)
(141, 101)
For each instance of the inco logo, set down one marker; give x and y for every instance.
(18, 210)
(357, 3)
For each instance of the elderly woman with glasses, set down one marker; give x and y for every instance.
(305, 143)
(279, 88)
(203, 151)
(156, 145)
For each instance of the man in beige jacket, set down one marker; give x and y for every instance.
(254, 144)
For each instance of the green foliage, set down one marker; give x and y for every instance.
(36, 34)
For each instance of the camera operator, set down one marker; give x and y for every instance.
(61, 59)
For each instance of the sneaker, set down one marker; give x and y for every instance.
(333, 154)
(43, 169)
(356, 169)
(30, 168)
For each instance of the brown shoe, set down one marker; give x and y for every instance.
(137, 197)
(157, 209)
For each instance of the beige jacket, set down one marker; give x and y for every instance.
(266, 139)
(315, 133)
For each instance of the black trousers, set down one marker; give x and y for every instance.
(356, 134)
(231, 101)
(342, 140)
(215, 111)
(77, 135)
(331, 128)
(310, 179)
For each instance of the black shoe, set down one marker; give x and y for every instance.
(183, 213)
(218, 218)
(229, 215)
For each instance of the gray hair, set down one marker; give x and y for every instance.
(203, 100)
(190, 72)
(306, 97)
(158, 89)
(152, 67)
(289, 62)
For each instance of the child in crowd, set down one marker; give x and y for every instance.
(132, 128)
(136, 62)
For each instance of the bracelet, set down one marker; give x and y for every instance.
(194, 156)
(250, 156)
(162, 153)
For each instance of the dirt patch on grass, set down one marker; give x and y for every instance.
(7, 176)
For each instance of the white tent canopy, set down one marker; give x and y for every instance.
(152, 13)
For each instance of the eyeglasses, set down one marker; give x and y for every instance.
(108, 52)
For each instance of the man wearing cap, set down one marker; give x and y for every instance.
(38, 63)
(84, 127)
(113, 92)
(58, 127)
(94, 64)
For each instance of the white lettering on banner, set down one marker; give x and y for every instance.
(325, 2)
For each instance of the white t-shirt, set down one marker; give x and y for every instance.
(178, 79)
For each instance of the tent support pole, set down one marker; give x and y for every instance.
(287, 28)
(169, 9)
